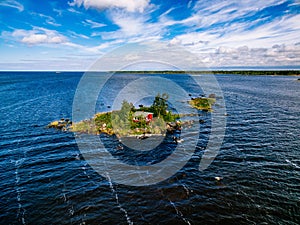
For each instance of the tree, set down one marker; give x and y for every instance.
(121, 120)
(159, 106)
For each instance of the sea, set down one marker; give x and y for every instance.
(254, 177)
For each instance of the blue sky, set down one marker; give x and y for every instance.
(71, 35)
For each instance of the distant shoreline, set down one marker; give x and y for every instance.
(192, 72)
(233, 72)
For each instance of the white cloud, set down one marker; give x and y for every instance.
(129, 5)
(93, 24)
(196, 39)
(271, 44)
(129, 25)
(190, 21)
(12, 4)
(42, 38)
(175, 41)
(207, 14)
(278, 31)
(77, 35)
(278, 55)
(53, 39)
(36, 36)
(48, 19)
(232, 43)
(72, 10)
(284, 30)
(59, 12)
(217, 31)
(232, 9)
(133, 28)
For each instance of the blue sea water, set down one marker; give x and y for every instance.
(44, 178)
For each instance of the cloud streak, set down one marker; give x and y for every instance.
(93, 24)
(128, 5)
(12, 4)
(48, 19)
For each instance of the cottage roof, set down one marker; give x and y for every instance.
(140, 113)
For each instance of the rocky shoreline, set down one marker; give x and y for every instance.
(111, 123)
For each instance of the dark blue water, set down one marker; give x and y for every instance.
(45, 180)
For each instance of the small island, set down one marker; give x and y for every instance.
(203, 103)
(156, 119)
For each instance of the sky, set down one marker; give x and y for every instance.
(74, 34)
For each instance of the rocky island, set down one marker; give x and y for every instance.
(156, 119)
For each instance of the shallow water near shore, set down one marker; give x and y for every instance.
(44, 178)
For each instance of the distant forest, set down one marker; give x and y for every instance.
(240, 72)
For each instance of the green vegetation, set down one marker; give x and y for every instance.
(129, 120)
(238, 72)
(261, 72)
(155, 119)
(85, 126)
(202, 103)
